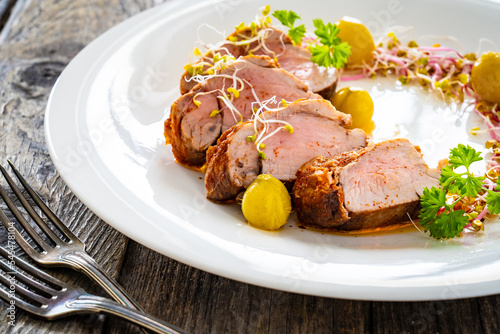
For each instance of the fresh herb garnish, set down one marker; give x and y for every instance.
(332, 51)
(288, 18)
(327, 49)
(463, 184)
(493, 199)
(461, 201)
(440, 218)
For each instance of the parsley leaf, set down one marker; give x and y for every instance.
(463, 156)
(438, 217)
(432, 201)
(447, 220)
(288, 18)
(297, 34)
(327, 33)
(321, 55)
(332, 51)
(493, 200)
(449, 225)
(463, 184)
(444, 220)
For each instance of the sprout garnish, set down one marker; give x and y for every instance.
(437, 68)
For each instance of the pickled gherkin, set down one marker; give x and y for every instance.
(360, 40)
(356, 102)
(485, 77)
(266, 203)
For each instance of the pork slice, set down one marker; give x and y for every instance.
(319, 79)
(374, 188)
(191, 130)
(233, 163)
(265, 84)
(318, 128)
(274, 40)
(292, 58)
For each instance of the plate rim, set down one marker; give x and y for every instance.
(262, 279)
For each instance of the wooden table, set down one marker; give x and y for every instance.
(38, 38)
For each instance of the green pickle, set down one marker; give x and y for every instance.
(485, 77)
(356, 102)
(266, 203)
(360, 40)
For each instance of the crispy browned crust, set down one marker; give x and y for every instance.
(392, 217)
(185, 85)
(319, 200)
(182, 149)
(218, 183)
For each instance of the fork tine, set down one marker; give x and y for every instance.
(22, 276)
(53, 218)
(19, 238)
(19, 302)
(22, 291)
(30, 269)
(29, 208)
(32, 233)
(70, 300)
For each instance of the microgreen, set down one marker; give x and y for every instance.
(214, 113)
(438, 68)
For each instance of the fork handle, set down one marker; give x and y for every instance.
(85, 263)
(86, 303)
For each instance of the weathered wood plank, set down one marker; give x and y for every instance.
(38, 40)
(488, 309)
(351, 316)
(205, 303)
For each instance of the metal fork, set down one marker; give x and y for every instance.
(64, 254)
(58, 299)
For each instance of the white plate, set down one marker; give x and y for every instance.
(104, 125)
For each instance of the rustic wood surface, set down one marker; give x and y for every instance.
(37, 39)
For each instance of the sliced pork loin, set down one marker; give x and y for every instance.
(276, 43)
(318, 128)
(373, 188)
(192, 128)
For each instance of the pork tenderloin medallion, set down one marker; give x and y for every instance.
(275, 44)
(374, 188)
(198, 118)
(318, 128)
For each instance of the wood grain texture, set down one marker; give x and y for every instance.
(37, 40)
